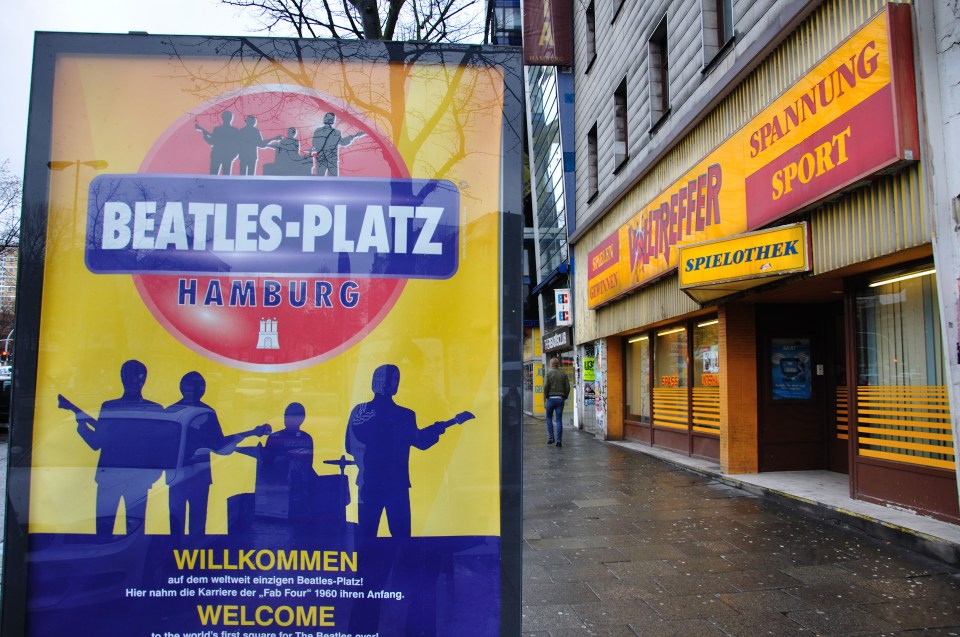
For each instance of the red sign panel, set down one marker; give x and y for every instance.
(603, 256)
(844, 151)
(547, 33)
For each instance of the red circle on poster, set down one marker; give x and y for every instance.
(317, 318)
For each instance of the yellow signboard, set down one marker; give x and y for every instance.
(839, 123)
(772, 252)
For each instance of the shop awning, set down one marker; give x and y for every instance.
(561, 269)
(715, 269)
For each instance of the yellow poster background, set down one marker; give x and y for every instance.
(443, 335)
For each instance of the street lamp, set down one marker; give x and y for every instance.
(96, 164)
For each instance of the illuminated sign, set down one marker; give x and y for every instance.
(564, 307)
(852, 115)
(772, 252)
(259, 395)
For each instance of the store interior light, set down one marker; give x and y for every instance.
(708, 323)
(639, 338)
(903, 277)
(673, 331)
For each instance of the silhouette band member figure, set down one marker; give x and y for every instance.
(121, 473)
(250, 142)
(294, 447)
(380, 434)
(190, 484)
(224, 143)
(287, 484)
(288, 160)
(327, 141)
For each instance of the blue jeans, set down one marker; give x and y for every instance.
(554, 406)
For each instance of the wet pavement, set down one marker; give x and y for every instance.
(621, 543)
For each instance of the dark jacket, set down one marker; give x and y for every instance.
(556, 383)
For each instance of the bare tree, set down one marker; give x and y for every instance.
(410, 20)
(11, 189)
(466, 70)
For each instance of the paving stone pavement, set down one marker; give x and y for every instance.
(619, 543)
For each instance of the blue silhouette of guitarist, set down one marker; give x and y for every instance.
(380, 434)
(124, 471)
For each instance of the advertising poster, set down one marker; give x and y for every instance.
(710, 373)
(851, 115)
(268, 344)
(790, 358)
(538, 402)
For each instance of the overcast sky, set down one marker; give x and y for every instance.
(21, 19)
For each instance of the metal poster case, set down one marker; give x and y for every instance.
(268, 374)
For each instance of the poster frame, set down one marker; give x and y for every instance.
(48, 46)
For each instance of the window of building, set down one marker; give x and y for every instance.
(659, 71)
(706, 377)
(620, 125)
(547, 169)
(593, 183)
(591, 37)
(717, 19)
(898, 327)
(506, 28)
(670, 401)
(903, 412)
(638, 378)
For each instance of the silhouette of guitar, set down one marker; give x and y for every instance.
(459, 419)
(206, 134)
(83, 419)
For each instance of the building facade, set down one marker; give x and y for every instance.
(8, 279)
(548, 82)
(756, 224)
(550, 124)
(9, 259)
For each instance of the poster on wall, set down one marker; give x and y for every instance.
(710, 373)
(256, 395)
(790, 368)
(589, 376)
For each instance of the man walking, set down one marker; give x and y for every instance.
(556, 388)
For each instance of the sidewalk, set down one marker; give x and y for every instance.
(619, 542)
(827, 494)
